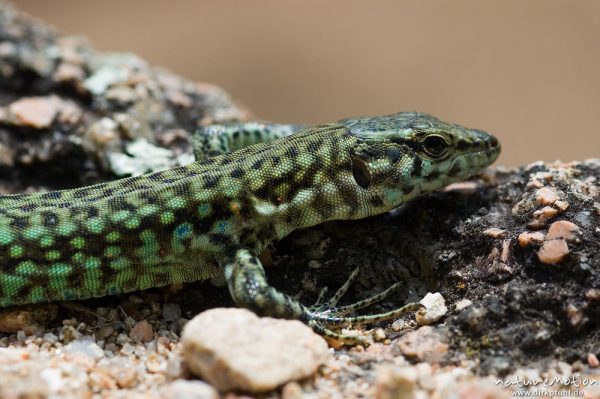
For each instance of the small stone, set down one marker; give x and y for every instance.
(546, 196)
(103, 132)
(50, 337)
(105, 331)
(527, 238)
(562, 229)
(141, 332)
(424, 344)
(234, 349)
(171, 311)
(379, 334)
(541, 216)
(435, 309)
(292, 390)
(495, 232)
(84, 346)
(122, 95)
(127, 349)
(561, 205)
(395, 382)
(593, 360)
(553, 251)
(184, 389)
(464, 187)
(593, 294)
(575, 316)
(69, 113)
(125, 377)
(36, 112)
(68, 72)
(462, 304)
(155, 365)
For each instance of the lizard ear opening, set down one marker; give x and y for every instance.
(361, 173)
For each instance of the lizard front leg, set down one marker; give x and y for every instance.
(249, 288)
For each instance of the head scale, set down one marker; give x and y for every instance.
(403, 155)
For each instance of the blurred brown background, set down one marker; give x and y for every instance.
(528, 71)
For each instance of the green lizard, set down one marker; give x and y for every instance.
(213, 217)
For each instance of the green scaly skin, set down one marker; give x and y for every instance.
(211, 218)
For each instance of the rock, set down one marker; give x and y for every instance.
(292, 390)
(593, 360)
(436, 308)
(85, 346)
(462, 304)
(184, 389)
(36, 112)
(171, 311)
(234, 349)
(495, 232)
(125, 377)
(395, 382)
(546, 196)
(562, 229)
(541, 216)
(379, 334)
(141, 332)
(527, 238)
(103, 132)
(561, 205)
(424, 344)
(553, 251)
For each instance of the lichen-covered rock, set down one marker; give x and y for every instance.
(64, 106)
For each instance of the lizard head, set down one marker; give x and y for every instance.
(402, 155)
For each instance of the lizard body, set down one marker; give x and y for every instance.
(212, 217)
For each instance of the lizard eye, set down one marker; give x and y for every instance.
(435, 146)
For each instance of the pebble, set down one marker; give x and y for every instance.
(233, 349)
(575, 316)
(36, 112)
(125, 377)
(553, 251)
(462, 304)
(184, 389)
(593, 360)
(435, 309)
(127, 349)
(495, 232)
(593, 294)
(171, 311)
(105, 331)
(68, 72)
(546, 196)
(141, 332)
(527, 238)
(541, 216)
(562, 229)
(561, 205)
(379, 334)
(103, 132)
(424, 344)
(85, 346)
(396, 382)
(292, 390)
